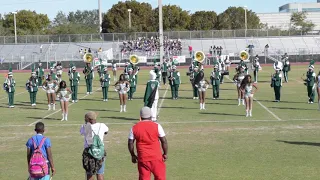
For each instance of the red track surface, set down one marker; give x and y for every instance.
(150, 67)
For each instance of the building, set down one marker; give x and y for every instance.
(300, 7)
(282, 20)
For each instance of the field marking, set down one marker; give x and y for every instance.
(176, 122)
(298, 81)
(163, 97)
(264, 107)
(60, 109)
(15, 95)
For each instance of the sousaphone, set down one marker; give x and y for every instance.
(200, 56)
(244, 55)
(134, 59)
(88, 58)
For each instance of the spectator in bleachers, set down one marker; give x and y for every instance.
(190, 50)
(211, 50)
(214, 50)
(89, 50)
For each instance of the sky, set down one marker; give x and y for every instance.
(51, 7)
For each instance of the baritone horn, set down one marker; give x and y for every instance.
(244, 55)
(88, 58)
(200, 56)
(134, 59)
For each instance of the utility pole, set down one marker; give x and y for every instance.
(161, 31)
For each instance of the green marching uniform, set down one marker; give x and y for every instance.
(9, 86)
(105, 83)
(132, 81)
(256, 67)
(193, 75)
(164, 72)
(157, 71)
(310, 82)
(276, 83)
(215, 82)
(32, 87)
(243, 64)
(74, 78)
(101, 69)
(136, 70)
(151, 95)
(88, 74)
(286, 69)
(175, 82)
(40, 74)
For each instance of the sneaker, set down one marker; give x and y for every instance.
(72, 101)
(247, 115)
(87, 93)
(106, 100)
(311, 102)
(12, 106)
(214, 98)
(194, 97)
(103, 100)
(91, 92)
(76, 101)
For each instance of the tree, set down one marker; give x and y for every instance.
(60, 19)
(28, 22)
(234, 18)
(117, 18)
(299, 22)
(203, 20)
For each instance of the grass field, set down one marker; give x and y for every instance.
(280, 141)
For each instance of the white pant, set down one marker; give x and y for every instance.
(154, 110)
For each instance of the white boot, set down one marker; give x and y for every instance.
(121, 108)
(62, 117)
(66, 116)
(247, 113)
(124, 108)
(200, 106)
(53, 107)
(203, 106)
(243, 102)
(49, 107)
(250, 113)
(239, 102)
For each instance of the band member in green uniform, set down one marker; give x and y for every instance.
(193, 76)
(88, 75)
(215, 82)
(286, 68)
(136, 70)
(151, 95)
(101, 68)
(127, 67)
(243, 65)
(63, 94)
(247, 89)
(164, 71)
(32, 87)
(276, 83)
(310, 82)
(74, 78)
(50, 87)
(9, 86)
(157, 71)
(238, 78)
(256, 67)
(105, 83)
(132, 81)
(175, 82)
(40, 74)
(202, 84)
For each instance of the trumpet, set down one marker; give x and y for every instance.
(88, 58)
(244, 55)
(134, 59)
(200, 56)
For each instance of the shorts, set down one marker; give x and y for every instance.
(64, 99)
(202, 89)
(51, 91)
(122, 92)
(47, 177)
(101, 170)
(248, 95)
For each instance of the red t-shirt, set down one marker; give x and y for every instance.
(146, 134)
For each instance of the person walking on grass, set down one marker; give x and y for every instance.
(149, 156)
(247, 89)
(94, 154)
(39, 155)
(64, 93)
(310, 83)
(276, 84)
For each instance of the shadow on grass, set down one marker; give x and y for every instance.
(37, 118)
(35, 108)
(222, 114)
(102, 110)
(178, 108)
(291, 108)
(290, 102)
(121, 118)
(300, 143)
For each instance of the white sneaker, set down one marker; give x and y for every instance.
(91, 92)
(194, 97)
(49, 107)
(311, 102)
(72, 101)
(54, 107)
(76, 101)
(87, 93)
(106, 99)
(247, 115)
(214, 98)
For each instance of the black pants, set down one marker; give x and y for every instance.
(164, 77)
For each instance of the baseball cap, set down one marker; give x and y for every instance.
(145, 112)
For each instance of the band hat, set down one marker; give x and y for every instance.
(153, 75)
(33, 73)
(105, 69)
(311, 67)
(145, 112)
(174, 67)
(10, 74)
(215, 67)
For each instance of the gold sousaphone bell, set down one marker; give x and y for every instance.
(200, 56)
(88, 58)
(244, 55)
(134, 59)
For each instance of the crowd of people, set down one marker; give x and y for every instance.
(151, 46)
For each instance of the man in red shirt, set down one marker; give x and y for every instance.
(150, 159)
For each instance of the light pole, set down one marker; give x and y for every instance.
(161, 31)
(15, 27)
(100, 16)
(245, 20)
(129, 10)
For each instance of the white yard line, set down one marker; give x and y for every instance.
(15, 95)
(163, 98)
(177, 122)
(59, 109)
(298, 81)
(264, 107)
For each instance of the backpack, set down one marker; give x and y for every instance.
(38, 166)
(96, 149)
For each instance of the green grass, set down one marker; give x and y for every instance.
(219, 143)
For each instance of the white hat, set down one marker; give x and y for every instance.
(10, 74)
(105, 69)
(153, 75)
(145, 112)
(174, 67)
(33, 73)
(215, 67)
(73, 68)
